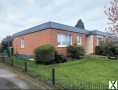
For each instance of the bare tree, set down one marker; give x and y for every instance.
(112, 13)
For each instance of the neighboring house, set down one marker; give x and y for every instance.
(58, 35)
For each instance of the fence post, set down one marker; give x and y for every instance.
(3, 58)
(25, 66)
(10, 55)
(53, 76)
(12, 60)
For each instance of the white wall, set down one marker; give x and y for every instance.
(89, 47)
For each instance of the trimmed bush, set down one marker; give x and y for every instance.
(75, 51)
(99, 50)
(60, 58)
(112, 52)
(109, 51)
(45, 54)
(116, 52)
(81, 51)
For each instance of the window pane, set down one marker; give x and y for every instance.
(78, 39)
(64, 39)
(22, 43)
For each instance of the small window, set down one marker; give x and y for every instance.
(64, 40)
(79, 40)
(22, 43)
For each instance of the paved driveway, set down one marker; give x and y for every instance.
(6, 84)
(9, 80)
(12, 80)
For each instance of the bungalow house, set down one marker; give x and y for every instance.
(58, 35)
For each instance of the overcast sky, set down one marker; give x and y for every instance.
(17, 15)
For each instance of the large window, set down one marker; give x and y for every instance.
(79, 40)
(64, 40)
(22, 43)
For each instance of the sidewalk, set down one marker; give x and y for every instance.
(12, 79)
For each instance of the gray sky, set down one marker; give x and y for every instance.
(17, 15)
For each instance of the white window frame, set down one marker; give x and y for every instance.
(79, 39)
(61, 35)
(22, 43)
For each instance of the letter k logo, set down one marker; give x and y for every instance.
(113, 85)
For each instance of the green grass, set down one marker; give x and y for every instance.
(71, 74)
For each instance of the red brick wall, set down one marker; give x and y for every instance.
(47, 36)
(32, 41)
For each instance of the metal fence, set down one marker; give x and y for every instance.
(51, 76)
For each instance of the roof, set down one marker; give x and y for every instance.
(54, 25)
(49, 25)
(96, 32)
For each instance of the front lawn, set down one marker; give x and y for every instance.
(79, 73)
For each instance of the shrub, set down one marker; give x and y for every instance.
(75, 51)
(60, 58)
(45, 54)
(107, 50)
(81, 51)
(100, 50)
(113, 51)
(116, 52)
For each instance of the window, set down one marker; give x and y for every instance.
(100, 40)
(64, 40)
(78, 40)
(22, 43)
